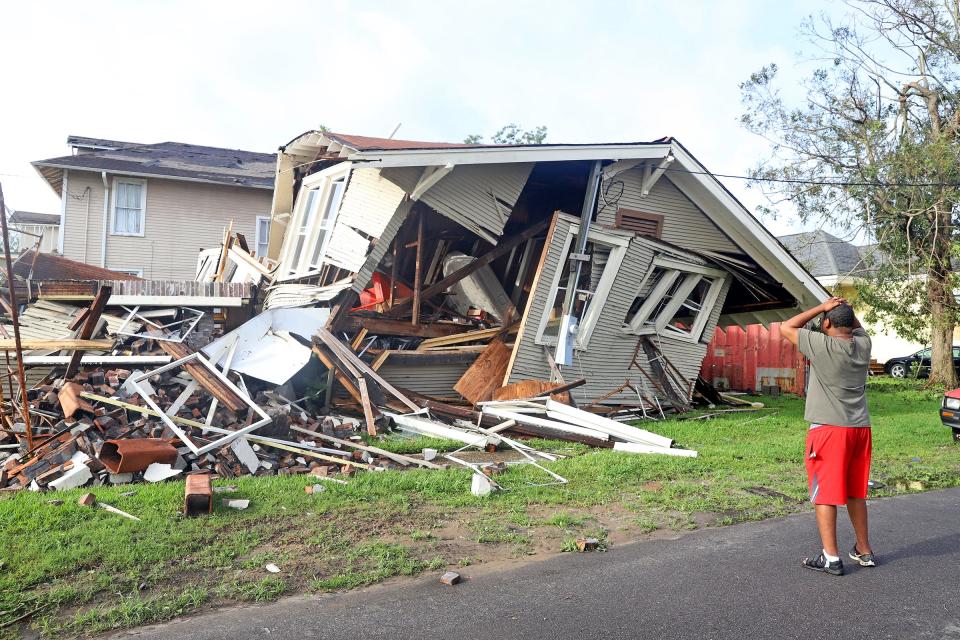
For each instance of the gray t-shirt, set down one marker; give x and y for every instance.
(836, 393)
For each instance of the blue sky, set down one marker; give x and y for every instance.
(253, 75)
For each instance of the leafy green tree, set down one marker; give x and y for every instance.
(512, 134)
(873, 145)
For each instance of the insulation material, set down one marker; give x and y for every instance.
(480, 289)
(266, 348)
(347, 248)
(479, 197)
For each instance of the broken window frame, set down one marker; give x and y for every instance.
(317, 231)
(618, 250)
(690, 275)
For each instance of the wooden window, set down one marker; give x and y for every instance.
(646, 224)
(675, 299)
(606, 253)
(313, 220)
(129, 206)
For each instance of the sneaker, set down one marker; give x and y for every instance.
(864, 559)
(819, 563)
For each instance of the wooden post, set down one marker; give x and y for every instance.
(417, 278)
(15, 319)
(393, 269)
(89, 326)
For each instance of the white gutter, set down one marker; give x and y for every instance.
(64, 194)
(503, 155)
(106, 212)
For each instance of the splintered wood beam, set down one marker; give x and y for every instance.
(92, 318)
(211, 384)
(384, 326)
(418, 272)
(499, 250)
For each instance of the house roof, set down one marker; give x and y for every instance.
(172, 160)
(33, 217)
(46, 266)
(663, 155)
(826, 255)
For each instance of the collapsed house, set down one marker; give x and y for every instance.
(464, 269)
(476, 294)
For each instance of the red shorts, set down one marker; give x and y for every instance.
(838, 463)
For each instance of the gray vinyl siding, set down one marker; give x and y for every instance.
(381, 246)
(606, 363)
(434, 380)
(684, 224)
(369, 202)
(466, 195)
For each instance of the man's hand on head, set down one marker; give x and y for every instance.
(832, 303)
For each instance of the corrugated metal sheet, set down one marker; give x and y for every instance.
(479, 197)
(684, 224)
(747, 360)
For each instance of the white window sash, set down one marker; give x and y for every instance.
(618, 249)
(296, 264)
(262, 236)
(642, 323)
(129, 215)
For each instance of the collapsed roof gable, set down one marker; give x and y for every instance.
(171, 160)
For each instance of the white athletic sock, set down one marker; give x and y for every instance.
(829, 558)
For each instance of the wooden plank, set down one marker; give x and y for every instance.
(499, 250)
(418, 272)
(525, 389)
(485, 374)
(207, 380)
(346, 355)
(89, 324)
(69, 344)
(327, 361)
(388, 327)
(459, 338)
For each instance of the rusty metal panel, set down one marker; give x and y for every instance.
(748, 360)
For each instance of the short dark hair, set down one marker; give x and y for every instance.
(840, 316)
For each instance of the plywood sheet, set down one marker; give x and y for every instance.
(485, 374)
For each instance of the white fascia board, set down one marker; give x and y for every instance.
(706, 192)
(155, 176)
(494, 155)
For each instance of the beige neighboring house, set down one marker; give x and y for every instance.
(149, 209)
(40, 230)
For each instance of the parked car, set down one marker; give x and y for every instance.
(902, 367)
(950, 412)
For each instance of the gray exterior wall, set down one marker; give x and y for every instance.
(435, 380)
(606, 363)
(684, 224)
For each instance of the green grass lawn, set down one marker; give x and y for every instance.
(82, 571)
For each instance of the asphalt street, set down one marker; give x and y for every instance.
(743, 581)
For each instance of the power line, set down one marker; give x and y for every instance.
(833, 183)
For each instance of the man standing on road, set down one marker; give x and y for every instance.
(839, 440)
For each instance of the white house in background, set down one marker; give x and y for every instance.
(29, 229)
(837, 265)
(148, 209)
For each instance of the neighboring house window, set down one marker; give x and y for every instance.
(133, 272)
(606, 252)
(129, 206)
(263, 235)
(314, 218)
(647, 224)
(675, 299)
